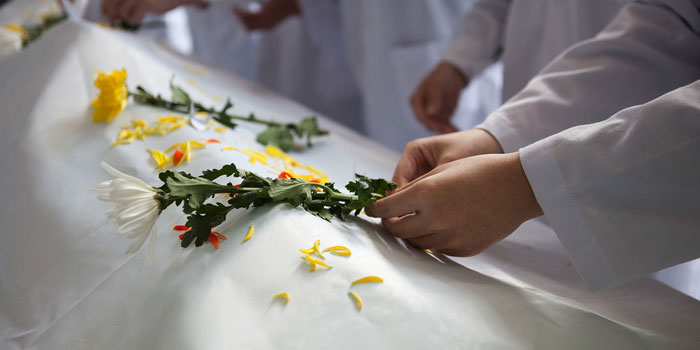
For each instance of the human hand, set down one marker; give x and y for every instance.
(133, 11)
(423, 155)
(436, 97)
(463, 207)
(269, 16)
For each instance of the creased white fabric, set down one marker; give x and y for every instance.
(67, 283)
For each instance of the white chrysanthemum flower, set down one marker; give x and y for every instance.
(136, 207)
(10, 42)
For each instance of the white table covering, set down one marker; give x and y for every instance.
(66, 282)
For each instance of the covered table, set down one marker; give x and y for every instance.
(67, 283)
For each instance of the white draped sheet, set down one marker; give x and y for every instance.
(66, 282)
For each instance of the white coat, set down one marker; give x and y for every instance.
(392, 45)
(284, 59)
(621, 193)
(525, 34)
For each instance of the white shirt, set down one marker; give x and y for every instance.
(525, 34)
(391, 45)
(622, 194)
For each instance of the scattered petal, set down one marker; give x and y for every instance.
(338, 250)
(357, 298)
(284, 296)
(177, 157)
(368, 279)
(251, 230)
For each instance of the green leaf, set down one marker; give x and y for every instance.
(201, 223)
(226, 170)
(193, 190)
(225, 119)
(293, 191)
(179, 95)
(278, 136)
(309, 127)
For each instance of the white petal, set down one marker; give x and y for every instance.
(134, 247)
(138, 224)
(102, 187)
(132, 199)
(136, 206)
(139, 242)
(152, 245)
(125, 217)
(130, 186)
(119, 174)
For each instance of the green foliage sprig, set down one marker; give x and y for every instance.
(277, 134)
(32, 33)
(322, 200)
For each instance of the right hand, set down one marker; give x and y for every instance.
(423, 155)
(436, 97)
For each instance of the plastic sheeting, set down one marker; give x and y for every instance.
(66, 282)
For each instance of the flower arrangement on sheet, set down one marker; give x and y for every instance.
(206, 202)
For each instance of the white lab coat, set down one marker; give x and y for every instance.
(525, 34)
(392, 45)
(622, 193)
(284, 59)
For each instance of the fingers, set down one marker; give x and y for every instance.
(427, 241)
(128, 10)
(109, 8)
(408, 226)
(396, 204)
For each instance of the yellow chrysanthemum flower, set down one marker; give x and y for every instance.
(112, 97)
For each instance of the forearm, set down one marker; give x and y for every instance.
(479, 39)
(634, 60)
(623, 195)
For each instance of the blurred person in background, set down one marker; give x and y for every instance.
(525, 34)
(357, 58)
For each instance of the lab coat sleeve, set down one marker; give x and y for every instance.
(479, 41)
(647, 50)
(623, 195)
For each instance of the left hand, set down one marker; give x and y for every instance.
(462, 207)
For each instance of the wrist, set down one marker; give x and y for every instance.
(524, 200)
(460, 78)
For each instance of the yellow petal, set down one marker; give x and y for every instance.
(311, 261)
(121, 142)
(357, 298)
(251, 230)
(125, 134)
(139, 123)
(175, 126)
(221, 129)
(228, 148)
(187, 151)
(282, 295)
(368, 279)
(338, 250)
(172, 147)
(160, 158)
(317, 249)
(197, 144)
(275, 152)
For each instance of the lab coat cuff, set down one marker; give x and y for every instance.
(458, 55)
(501, 129)
(560, 208)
